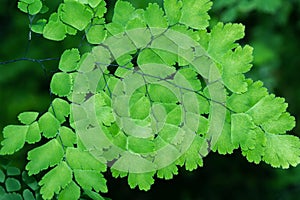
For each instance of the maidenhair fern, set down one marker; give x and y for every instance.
(157, 90)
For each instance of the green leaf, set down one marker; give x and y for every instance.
(255, 154)
(101, 9)
(243, 102)
(44, 156)
(116, 173)
(28, 117)
(233, 62)
(2, 176)
(33, 8)
(81, 83)
(189, 75)
(12, 185)
(2, 192)
(61, 84)
(284, 123)
(167, 172)
(233, 71)
(114, 28)
(55, 180)
(86, 63)
(154, 17)
(60, 109)
(172, 9)
(224, 143)
(49, 125)
(104, 113)
(217, 45)
(30, 181)
(70, 30)
(71, 191)
(44, 9)
(137, 31)
(14, 139)
(122, 12)
(75, 14)
(282, 150)
(243, 131)
(139, 106)
(94, 3)
(39, 26)
(137, 162)
(140, 145)
(171, 134)
(142, 180)
(90, 179)
(68, 60)
(156, 56)
(13, 171)
(174, 115)
(78, 159)
(203, 125)
(268, 108)
(67, 136)
(192, 158)
(96, 34)
(55, 29)
(27, 195)
(162, 94)
(194, 13)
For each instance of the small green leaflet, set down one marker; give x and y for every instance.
(154, 17)
(67, 136)
(14, 138)
(38, 27)
(194, 13)
(75, 14)
(90, 179)
(233, 62)
(49, 125)
(28, 117)
(56, 179)
(55, 29)
(172, 9)
(61, 84)
(12, 185)
(282, 150)
(71, 191)
(32, 7)
(122, 12)
(243, 131)
(34, 133)
(94, 3)
(45, 156)
(143, 181)
(96, 34)
(167, 172)
(79, 159)
(68, 60)
(60, 109)
(192, 158)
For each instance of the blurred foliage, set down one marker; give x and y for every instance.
(272, 28)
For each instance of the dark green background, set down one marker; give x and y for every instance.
(272, 28)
